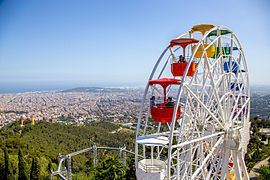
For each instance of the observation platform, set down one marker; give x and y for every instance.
(152, 169)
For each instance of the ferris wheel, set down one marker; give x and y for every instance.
(194, 117)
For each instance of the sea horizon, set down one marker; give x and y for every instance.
(10, 88)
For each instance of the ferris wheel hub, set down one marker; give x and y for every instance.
(232, 138)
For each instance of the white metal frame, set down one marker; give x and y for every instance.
(214, 118)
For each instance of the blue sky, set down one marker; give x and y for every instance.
(80, 43)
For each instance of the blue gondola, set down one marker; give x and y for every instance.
(236, 86)
(227, 67)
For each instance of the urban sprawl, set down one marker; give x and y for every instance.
(71, 107)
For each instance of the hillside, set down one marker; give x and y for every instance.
(260, 106)
(47, 140)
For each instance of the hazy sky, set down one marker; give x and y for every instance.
(87, 42)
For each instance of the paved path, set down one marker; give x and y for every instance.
(253, 173)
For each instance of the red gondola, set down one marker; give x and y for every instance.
(178, 68)
(163, 113)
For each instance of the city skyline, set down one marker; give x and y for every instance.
(63, 44)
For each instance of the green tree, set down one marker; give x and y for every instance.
(22, 166)
(130, 169)
(2, 165)
(35, 172)
(264, 172)
(50, 168)
(8, 172)
(57, 138)
(110, 169)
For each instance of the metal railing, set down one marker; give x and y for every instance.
(151, 165)
(65, 173)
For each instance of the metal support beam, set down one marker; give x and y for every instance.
(95, 154)
(69, 168)
(124, 155)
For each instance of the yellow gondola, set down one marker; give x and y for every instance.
(202, 28)
(210, 51)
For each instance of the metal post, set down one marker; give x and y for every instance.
(59, 157)
(152, 154)
(69, 171)
(125, 155)
(95, 154)
(51, 176)
(120, 154)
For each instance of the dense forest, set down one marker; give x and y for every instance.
(33, 149)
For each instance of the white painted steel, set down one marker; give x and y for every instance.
(213, 129)
(153, 140)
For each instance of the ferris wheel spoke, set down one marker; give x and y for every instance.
(238, 61)
(243, 166)
(189, 108)
(242, 108)
(203, 106)
(182, 162)
(146, 120)
(166, 62)
(212, 66)
(157, 90)
(235, 106)
(203, 91)
(213, 42)
(220, 140)
(211, 100)
(198, 139)
(225, 163)
(213, 85)
(189, 115)
(194, 117)
(215, 164)
(238, 172)
(169, 127)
